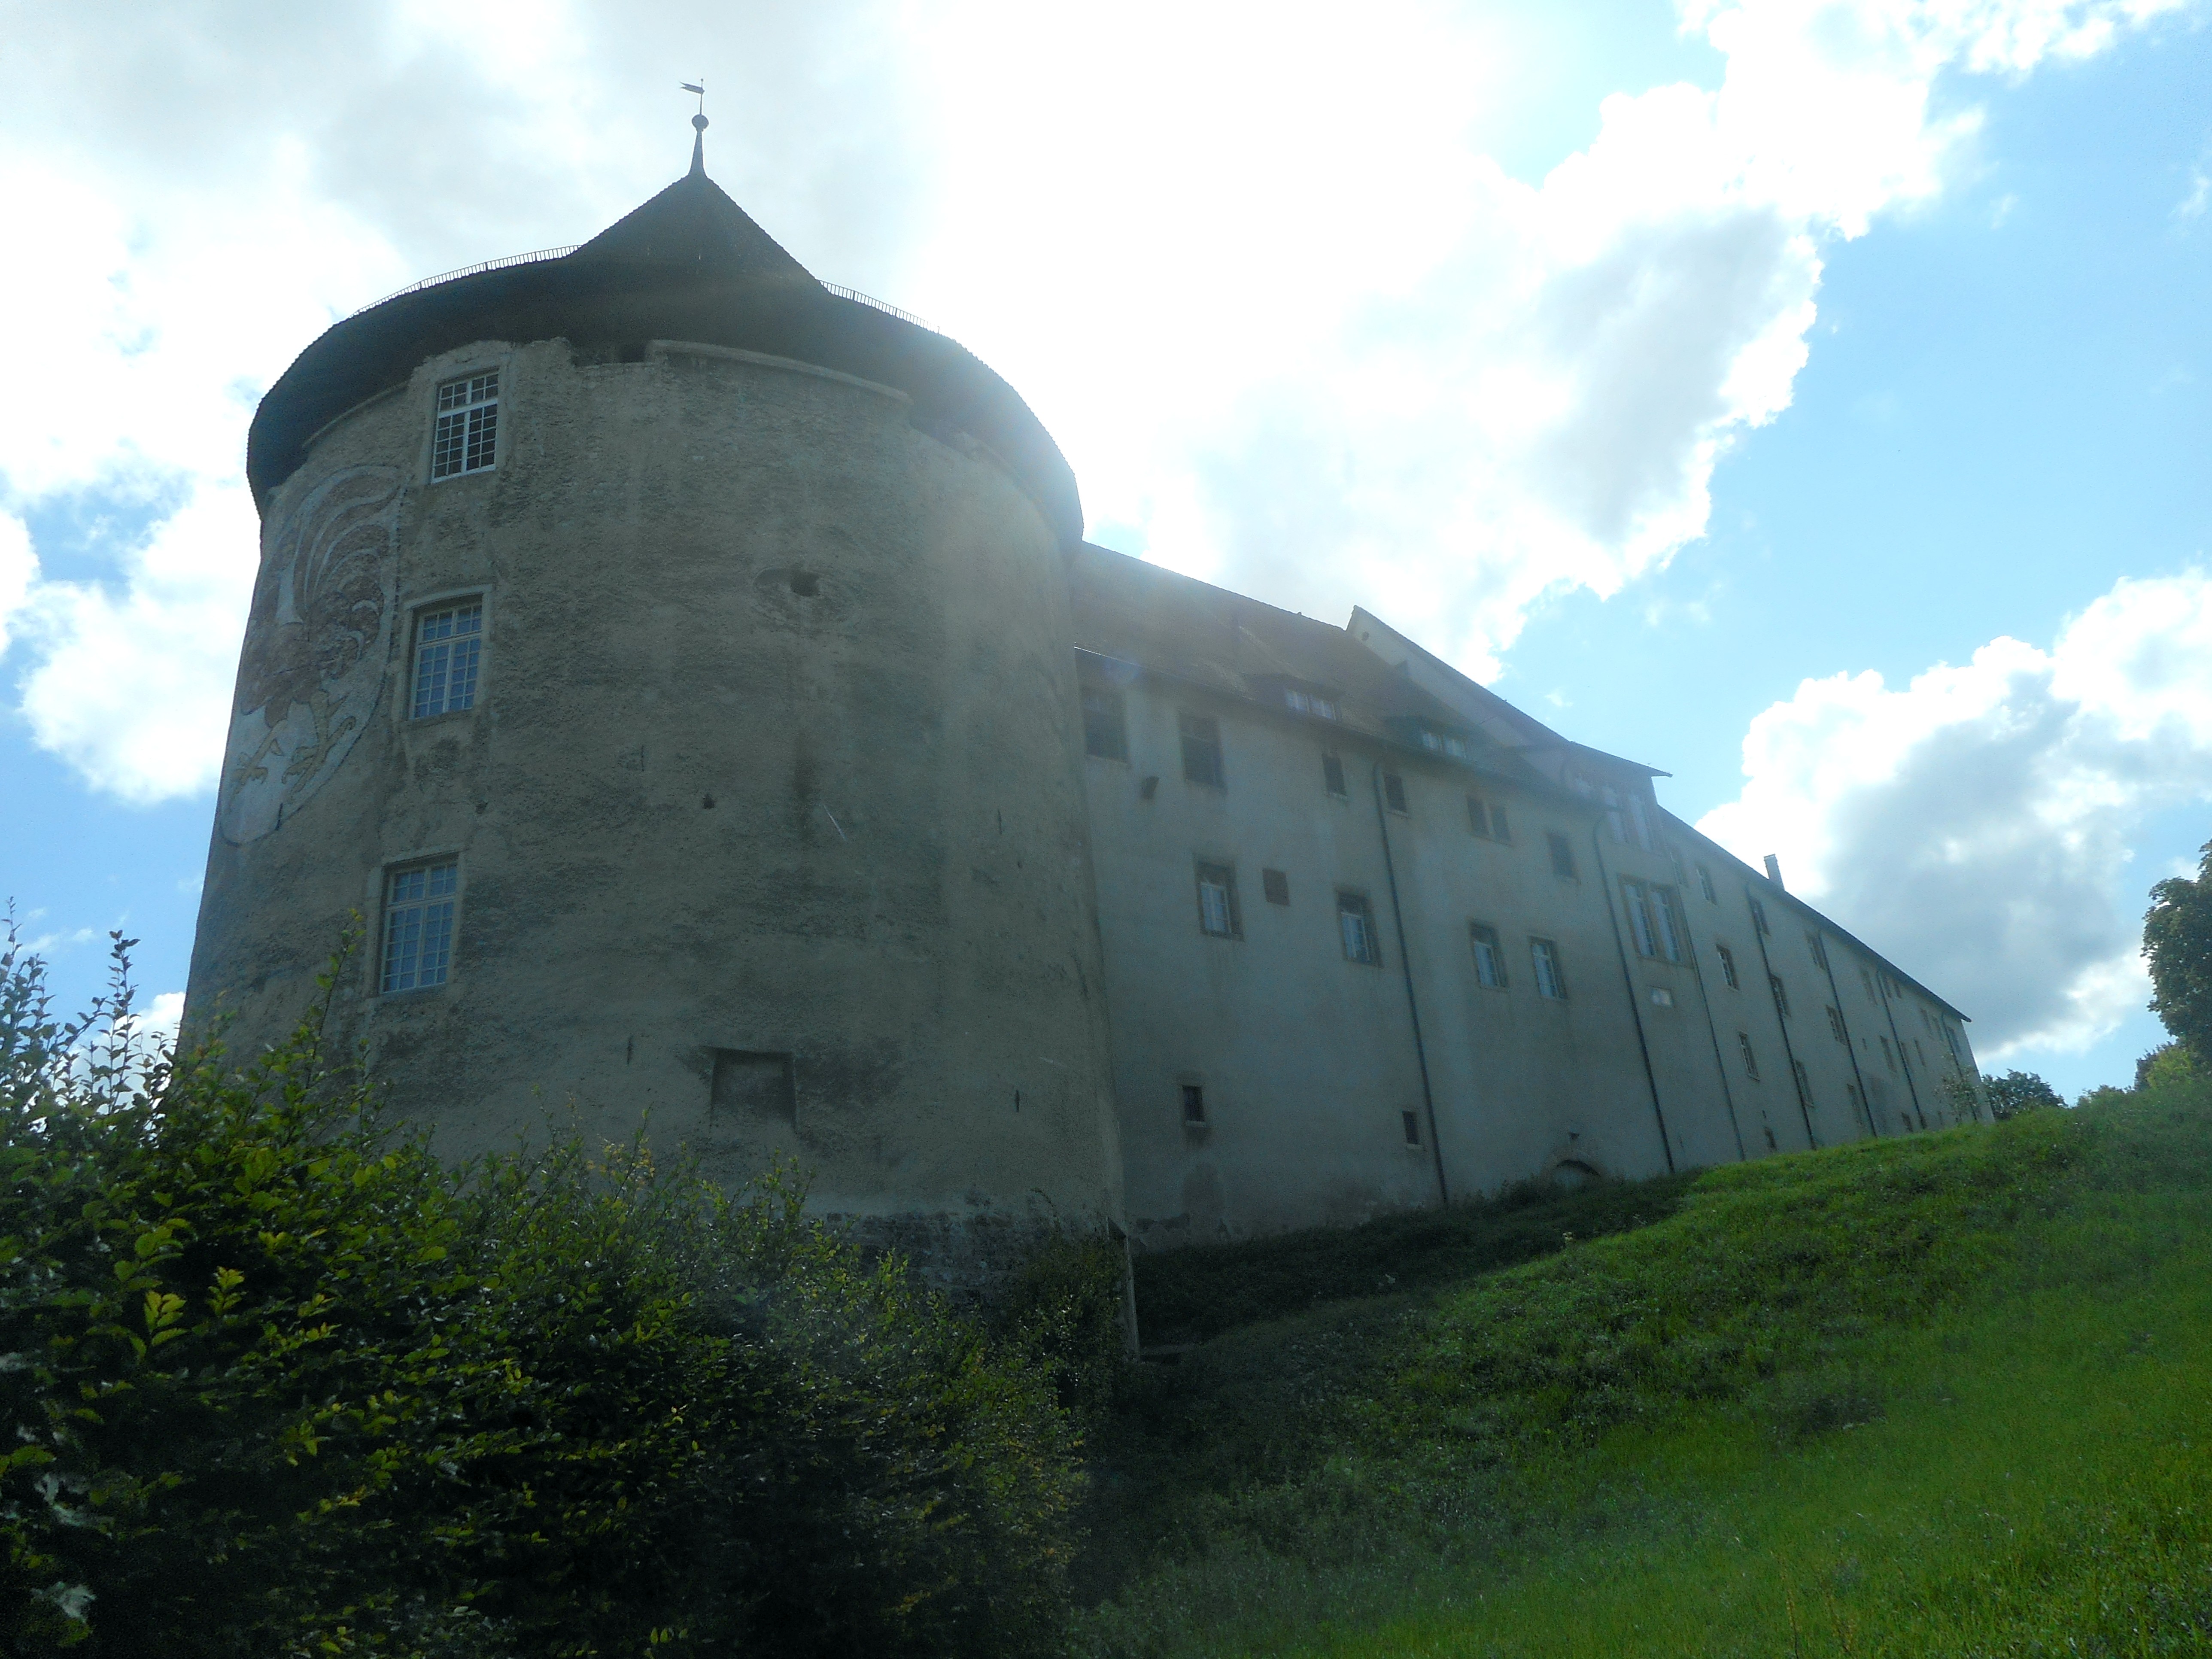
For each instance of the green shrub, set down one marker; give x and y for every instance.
(282, 1382)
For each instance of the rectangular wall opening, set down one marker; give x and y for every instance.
(751, 1084)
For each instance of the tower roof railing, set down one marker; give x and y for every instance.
(502, 263)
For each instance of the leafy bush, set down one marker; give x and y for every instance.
(2019, 1091)
(281, 1381)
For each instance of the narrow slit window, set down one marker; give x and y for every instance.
(1888, 1055)
(1750, 1060)
(1276, 885)
(1217, 901)
(1836, 1025)
(1413, 1125)
(1478, 817)
(1666, 918)
(1705, 885)
(448, 651)
(1728, 967)
(1781, 994)
(1394, 792)
(1489, 957)
(1194, 1104)
(1355, 925)
(466, 436)
(1201, 751)
(1331, 776)
(1804, 1085)
(1544, 957)
(1105, 723)
(418, 926)
(1819, 950)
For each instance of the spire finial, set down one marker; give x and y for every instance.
(698, 127)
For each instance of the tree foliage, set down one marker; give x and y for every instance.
(2178, 946)
(2019, 1091)
(281, 1381)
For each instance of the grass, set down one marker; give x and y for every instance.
(1944, 1395)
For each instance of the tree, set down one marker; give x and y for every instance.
(2177, 943)
(2019, 1091)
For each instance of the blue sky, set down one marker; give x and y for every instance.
(1809, 399)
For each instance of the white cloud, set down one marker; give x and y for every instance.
(1977, 824)
(132, 688)
(19, 568)
(1255, 266)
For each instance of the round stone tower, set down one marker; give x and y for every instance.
(668, 659)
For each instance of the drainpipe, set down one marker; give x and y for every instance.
(1412, 1004)
(1866, 1100)
(1635, 1003)
(1788, 1049)
(1889, 1009)
(1720, 1066)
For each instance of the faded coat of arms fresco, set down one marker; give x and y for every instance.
(316, 644)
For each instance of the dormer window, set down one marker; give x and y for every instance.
(1312, 703)
(466, 436)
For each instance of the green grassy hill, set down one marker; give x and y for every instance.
(1949, 1394)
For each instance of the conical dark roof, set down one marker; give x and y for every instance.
(689, 264)
(693, 224)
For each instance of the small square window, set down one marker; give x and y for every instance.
(1355, 924)
(1217, 901)
(1276, 885)
(1728, 967)
(1489, 957)
(1563, 854)
(1544, 957)
(1413, 1125)
(448, 645)
(1105, 723)
(418, 926)
(1331, 776)
(1201, 751)
(465, 437)
(1394, 792)
(1194, 1104)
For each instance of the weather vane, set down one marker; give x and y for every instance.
(700, 86)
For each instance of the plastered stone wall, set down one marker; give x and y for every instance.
(774, 753)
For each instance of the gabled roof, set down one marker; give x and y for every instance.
(1131, 612)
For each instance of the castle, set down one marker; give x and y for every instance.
(696, 676)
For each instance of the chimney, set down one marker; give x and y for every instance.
(1774, 870)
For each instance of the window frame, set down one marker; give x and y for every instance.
(1705, 885)
(464, 411)
(391, 905)
(1332, 782)
(1275, 886)
(1190, 1102)
(429, 609)
(1119, 708)
(1562, 854)
(1185, 721)
(1480, 934)
(1728, 976)
(1781, 996)
(1749, 1055)
(1232, 915)
(1351, 901)
(1548, 973)
(1394, 794)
